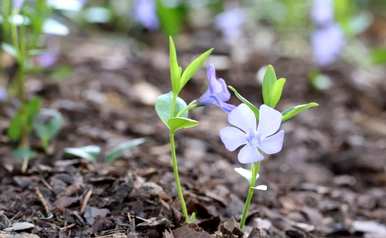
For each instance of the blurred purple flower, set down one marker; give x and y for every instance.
(230, 23)
(328, 39)
(217, 93)
(322, 12)
(267, 138)
(327, 43)
(145, 13)
(47, 59)
(3, 94)
(17, 4)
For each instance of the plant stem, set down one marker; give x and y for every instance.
(252, 183)
(173, 106)
(180, 191)
(24, 144)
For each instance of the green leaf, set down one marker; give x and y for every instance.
(90, 152)
(177, 123)
(9, 49)
(244, 100)
(378, 56)
(193, 67)
(293, 111)
(119, 150)
(171, 17)
(268, 84)
(192, 218)
(320, 81)
(15, 127)
(24, 153)
(23, 120)
(48, 125)
(277, 91)
(175, 69)
(163, 107)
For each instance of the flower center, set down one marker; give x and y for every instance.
(253, 139)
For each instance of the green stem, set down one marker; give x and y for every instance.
(24, 145)
(180, 191)
(252, 183)
(20, 83)
(174, 106)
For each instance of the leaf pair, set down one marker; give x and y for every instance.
(272, 91)
(178, 78)
(163, 108)
(272, 87)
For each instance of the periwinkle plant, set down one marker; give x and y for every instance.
(173, 111)
(257, 131)
(257, 142)
(22, 34)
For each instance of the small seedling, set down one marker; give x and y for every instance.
(173, 111)
(258, 141)
(21, 126)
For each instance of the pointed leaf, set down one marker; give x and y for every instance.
(193, 67)
(23, 120)
(277, 91)
(177, 123)
(293, 111)
(244, 100)
(9, 49)
(268, 83)
(119, 150)
(163, 107)
(47, 125)
(175, 70)
(90, 152)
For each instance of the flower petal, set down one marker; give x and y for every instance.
(246, 173)
(232, 138)
(269, 121)
(223, 93)
(272, 144)
(214, 86)
(249, 154)
(226, 107)
(243, 118)
(261, 187)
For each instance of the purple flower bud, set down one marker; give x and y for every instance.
(267, 138)
(327, 43)
(230, 23)
(17, 4)
(217, 93)
(145, 13)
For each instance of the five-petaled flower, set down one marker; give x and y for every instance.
(266, 139)
(217, 93)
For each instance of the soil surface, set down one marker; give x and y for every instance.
(329, 181)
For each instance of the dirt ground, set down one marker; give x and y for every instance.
(329, 181)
